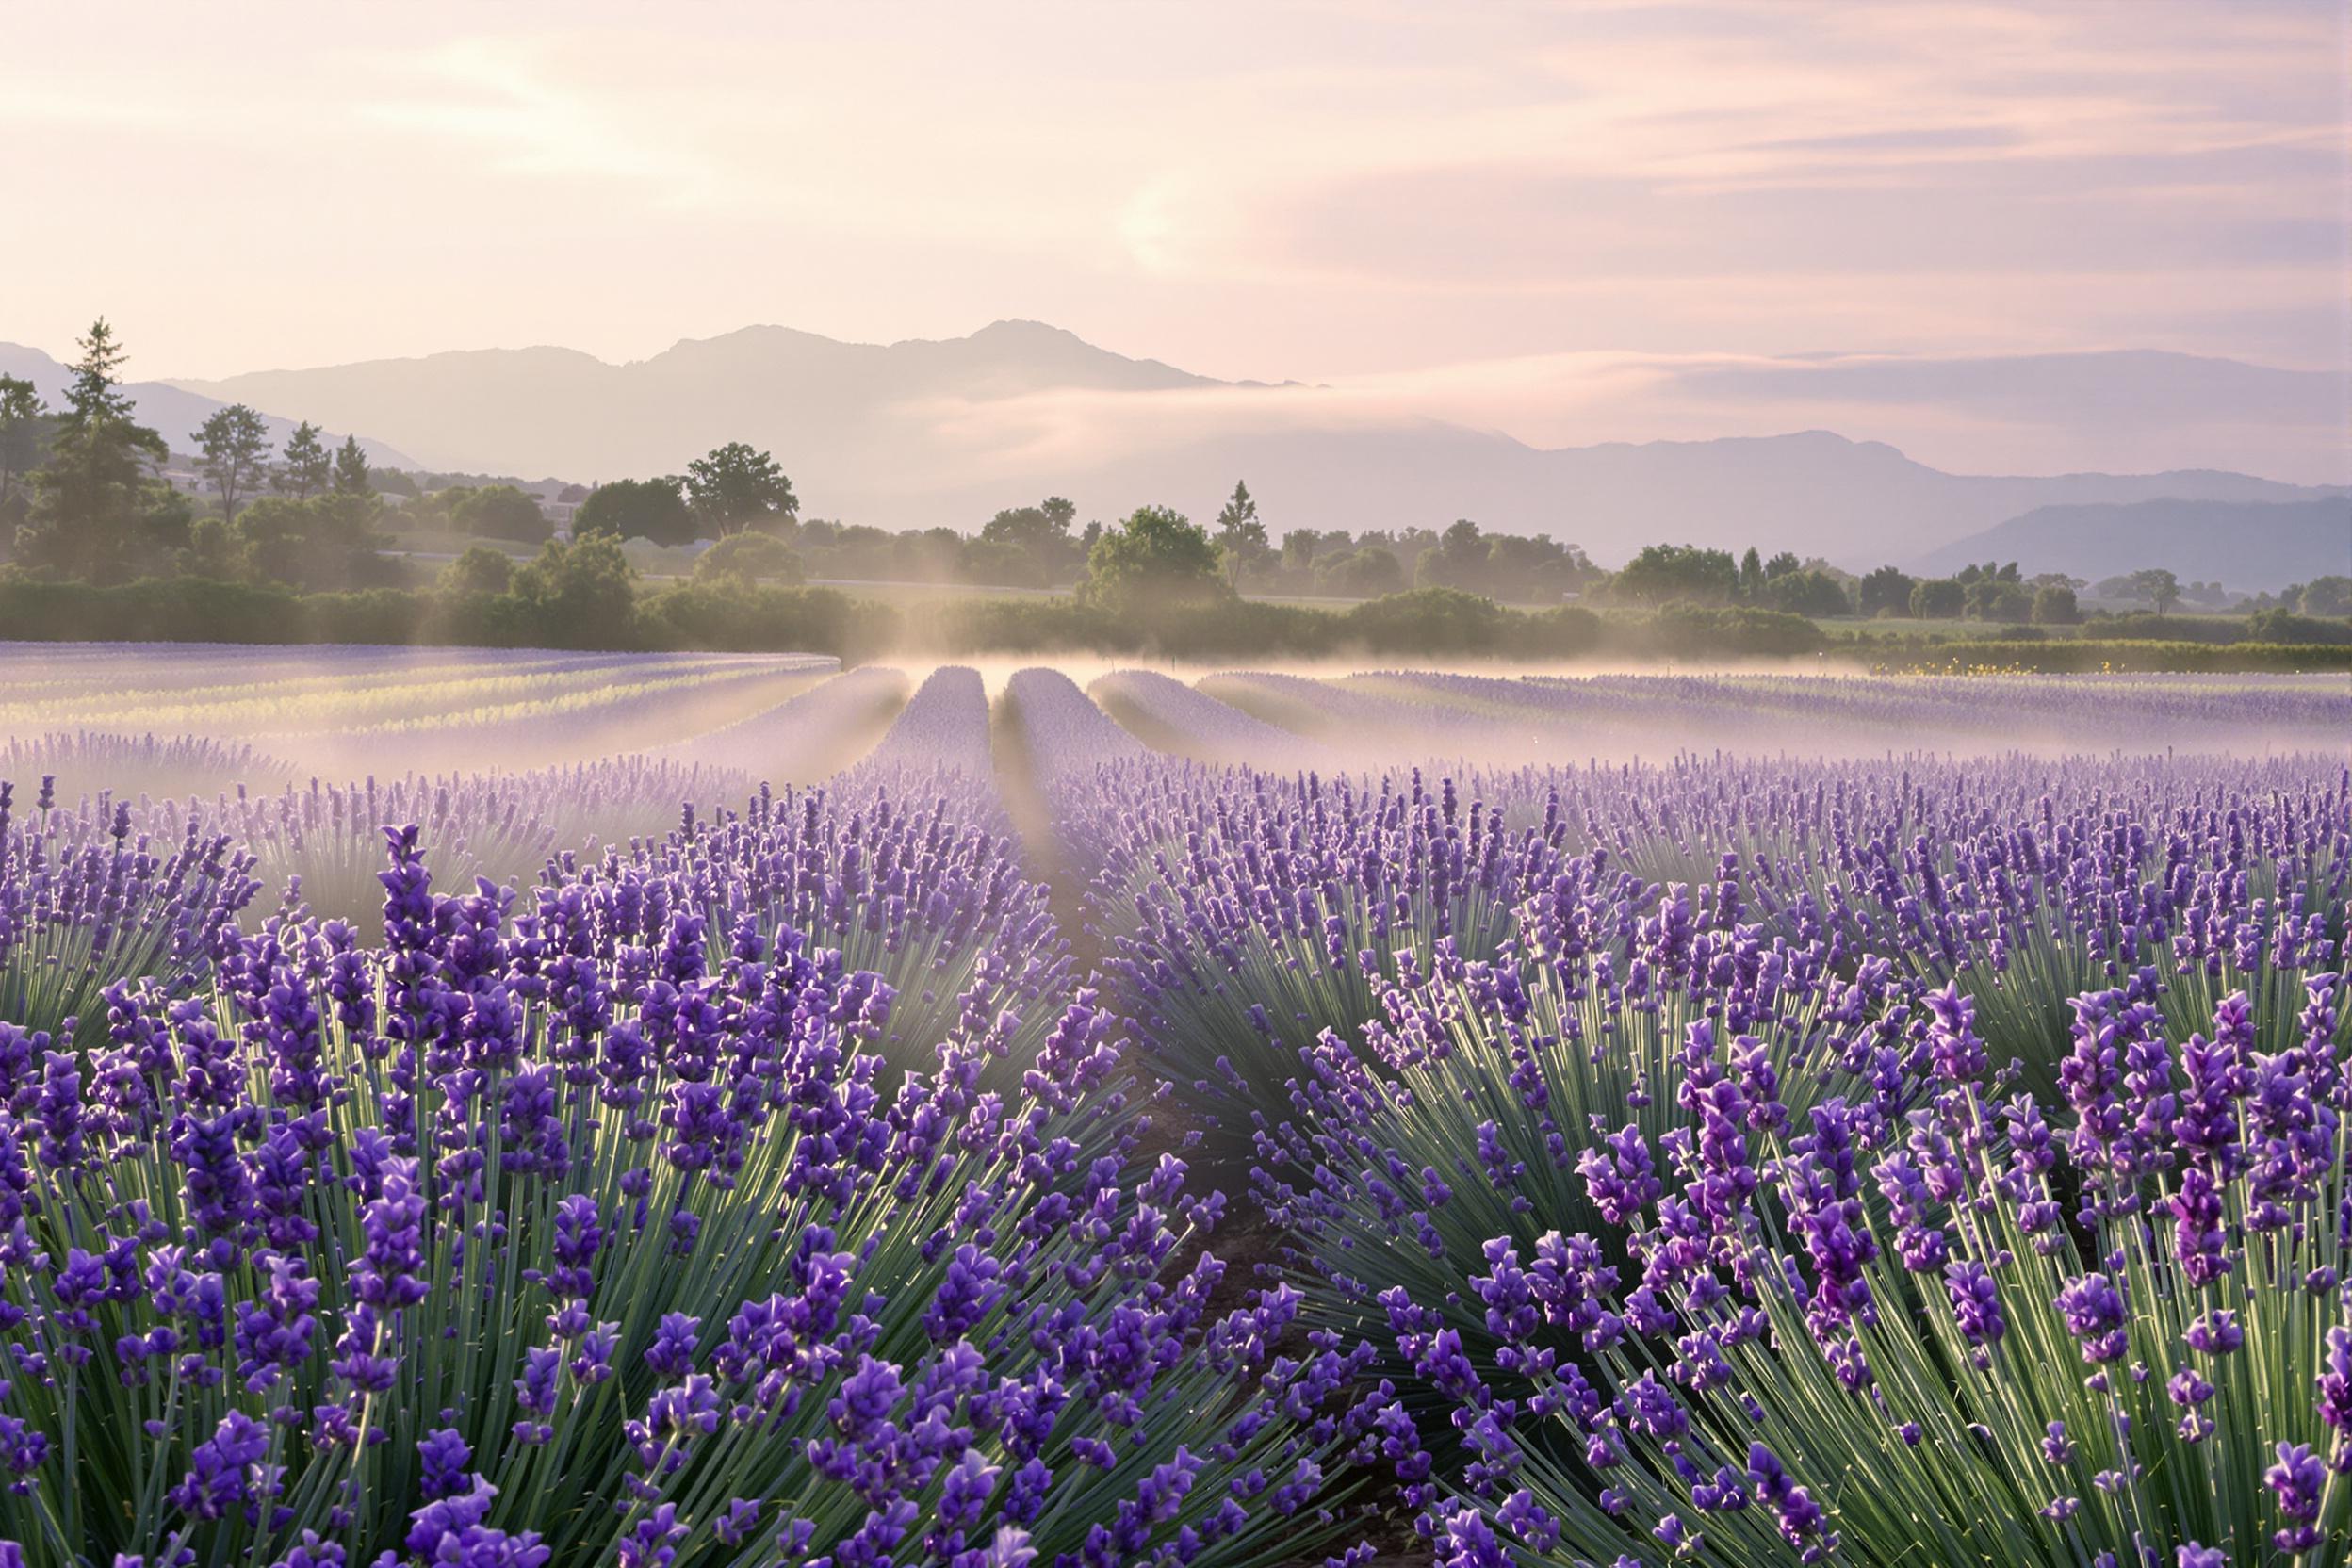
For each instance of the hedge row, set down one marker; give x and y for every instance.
(1430, 621)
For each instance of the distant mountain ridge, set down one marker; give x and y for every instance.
(947, 431)
(174, 412)
(2237, 544)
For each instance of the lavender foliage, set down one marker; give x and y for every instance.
(2113, 1325)
(1178, 720)
(1731, 1157)
(89, 896)
(1245, 914)
(806, 738)
(908, 874)
(521, 1240)
(944, 728)
(1060, 731)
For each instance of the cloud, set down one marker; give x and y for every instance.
(501, 104)
(1246, 187)
(2040, 413)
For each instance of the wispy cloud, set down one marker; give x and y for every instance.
(506, 104)
(2121, 412)
(1321, 191)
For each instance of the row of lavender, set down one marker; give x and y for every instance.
(902, 861)
(1739, 1153)
(1637, 1117)
(1380, 719)
(348, 711)
(551, 1234)
(592, 1226)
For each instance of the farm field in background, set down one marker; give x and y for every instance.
(708, 1110)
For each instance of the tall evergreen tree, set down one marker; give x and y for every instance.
(1240, 536)
(308, 464)
(350, 469)
(99, 510)
(1751, 574)
(21, 414)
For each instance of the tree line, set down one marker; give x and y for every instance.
(82, 498)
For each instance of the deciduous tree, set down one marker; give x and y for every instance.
(1996, 598)
(2054, 605)
(501, 511)
(1812, 594)
(1886, 592)
(235, 443)
(2158, 586)
(1363, 573)
(748, 558)
(1029, 546)
(736, 487)
(326, 544)
(1938, 598)
(583, 594)
(650, 509)
(1159, 557)
(1752, 574)
(479, 570)
(1662, 573)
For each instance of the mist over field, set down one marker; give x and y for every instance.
(910, 434)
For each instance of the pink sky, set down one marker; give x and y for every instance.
(1437, 195)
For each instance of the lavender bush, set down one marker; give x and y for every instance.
(1173, 718)
(2028, 881)
(944, 729)
(140, 768)
(806, 738)
(87, 898)
(1365, 724)
(1511, 1097)
(924, 889)
(2112, 1328)
(322, 845)
(1243, 915)
(1656, 716)
(1058, 728)
(519, 1241)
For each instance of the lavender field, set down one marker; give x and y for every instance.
(519, 1108)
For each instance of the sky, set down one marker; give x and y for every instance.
(1507, 213)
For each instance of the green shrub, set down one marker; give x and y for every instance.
(369, 616)
(731, 616)
(1563, 632)
(2279, 626)
(1698, 630)
(1427, 620)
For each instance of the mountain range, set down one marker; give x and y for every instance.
(929, 431)
(2259, 543)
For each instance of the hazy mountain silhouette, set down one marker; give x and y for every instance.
(171, 411)
(923, 432)
(2239, 544)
